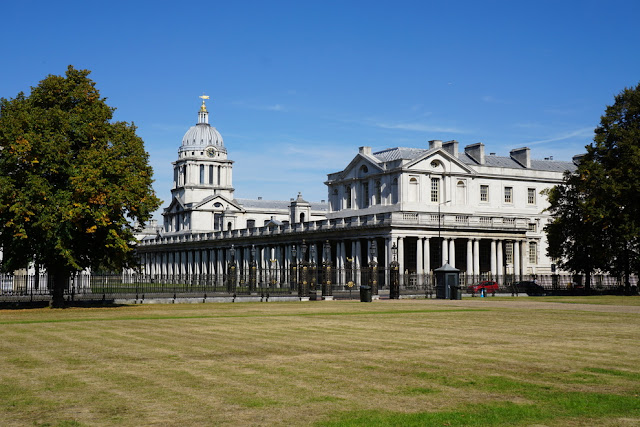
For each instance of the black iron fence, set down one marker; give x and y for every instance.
(305, 280)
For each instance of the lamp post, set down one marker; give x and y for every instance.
(293, 274)
(253, 270)
(439, 228)
(373, 268)
(303, 286)
(394, 288)
(326, 268)
(313, 270)
(231, 271)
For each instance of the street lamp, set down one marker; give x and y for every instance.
(439, 228)
(303, 288)
(314, 269)
(373, 268)
(231, 275)
(394, 288)
(326, 267)
(253, 270)
(293, 276)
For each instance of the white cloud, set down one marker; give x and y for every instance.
(419, 127)
(586, 133)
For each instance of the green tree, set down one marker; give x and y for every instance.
(74, 185)
(597, 208)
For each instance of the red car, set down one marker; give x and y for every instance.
(487, 285)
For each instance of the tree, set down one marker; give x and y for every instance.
(73, 185)
(574, 234)
(597, 208)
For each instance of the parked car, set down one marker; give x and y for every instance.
(488, 286)
(530, 288)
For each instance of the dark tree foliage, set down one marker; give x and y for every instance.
(597, 209)
(72, 182)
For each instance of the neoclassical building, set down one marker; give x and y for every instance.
(482, 213)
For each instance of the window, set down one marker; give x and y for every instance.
(484, 193)
(347, 195)
(435, 190)
(533, 227)
(210, 174)
(251, 223)
(533, 253)
(531, 196)
(508, 252)
(378, 193)
(201, 174)
(365, 194)
(508, 194)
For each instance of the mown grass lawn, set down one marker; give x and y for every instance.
(476, 362)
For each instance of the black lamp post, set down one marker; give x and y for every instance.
(373, 268)
(394, 287)
(231, 276)
(313, 269)
(439, 228)
(253, 270)
(326, 267)
(303, 287)
(293, 276)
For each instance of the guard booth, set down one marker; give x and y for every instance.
(447, 282)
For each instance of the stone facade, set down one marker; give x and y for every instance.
(482, 213)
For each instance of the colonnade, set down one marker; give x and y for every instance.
(349, 253)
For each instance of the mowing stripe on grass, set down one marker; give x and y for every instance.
(223, 316)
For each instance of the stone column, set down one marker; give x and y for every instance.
(500, 260)
(427, 255)
(494, 266)
(401, 255)
(476, 257)
(516, 259)
(419, 261)
(452, 253)
(445, 251)
(470, 272)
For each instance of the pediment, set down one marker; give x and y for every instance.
(218, 203)
(361, 166)
(175, 205)
(439, 161)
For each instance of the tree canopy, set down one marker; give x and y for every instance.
(73, 184)
(596, 209)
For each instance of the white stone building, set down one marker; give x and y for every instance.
(203, 194)
(483, 214)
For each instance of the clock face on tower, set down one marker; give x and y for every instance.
(211, 152)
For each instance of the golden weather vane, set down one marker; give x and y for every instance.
(203, 97)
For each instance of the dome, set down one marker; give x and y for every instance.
(202, 135)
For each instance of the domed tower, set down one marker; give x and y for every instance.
(202, 168)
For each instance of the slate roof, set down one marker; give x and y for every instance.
(276, 204)
(407, 153)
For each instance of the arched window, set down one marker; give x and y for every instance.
(229, 226)
(301, 216)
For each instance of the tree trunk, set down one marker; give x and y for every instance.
(58, 282)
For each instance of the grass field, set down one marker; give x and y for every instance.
(571, 361)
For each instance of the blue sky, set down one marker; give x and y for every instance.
(296, 87)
